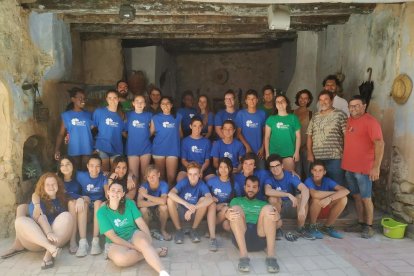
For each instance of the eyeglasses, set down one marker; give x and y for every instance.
(354, 106)
(275, 166)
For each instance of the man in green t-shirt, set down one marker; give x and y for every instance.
(253, 223)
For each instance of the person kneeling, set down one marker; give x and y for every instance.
(189, 200)
(126, 233)
(327, 197)
(253, 223)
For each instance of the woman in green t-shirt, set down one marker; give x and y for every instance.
(282, 134)
(127, 236)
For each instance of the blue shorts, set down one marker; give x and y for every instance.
(181, 212)
(359, 183)
(253, 241)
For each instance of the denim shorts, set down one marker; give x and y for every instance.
(359, 183)
(253, 241)
(107, 155)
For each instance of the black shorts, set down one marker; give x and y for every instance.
(206, 172)
(181, 212)
(253, 241)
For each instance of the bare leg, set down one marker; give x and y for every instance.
(133, 166)
(238, 227)
(211, 220)
(199, 215)
(62, 228)
(82, 218)
(143, 244)
(84, 162)
(337, 207)
(106, 165)
(96, 206)
(73, 245)
(160, 164)
(288, 164)
(301, 222)
(171, 164)
(276, 202)
(163, 210)
(359, 208)
(21, 211)
(172, 209)
(315, 210)
(145, 214)
(266, 227)
(144, 161)
(369, 210)
(181, 175)
(123, 256)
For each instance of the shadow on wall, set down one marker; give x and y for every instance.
(33, 158)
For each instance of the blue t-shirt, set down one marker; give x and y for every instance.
(110, 126)
(221, 190)
(210, 121)
(187, 113)
(138, 127)
(78, 126)
(167, 135)
(222, 116)
(288, 184)
(234, 151)
(327, 185)
(189, 193)
(57, 209)
(73, 189)
(240, 179)
(161, 190)
(251, 125)
(197, 150)
(92, 187)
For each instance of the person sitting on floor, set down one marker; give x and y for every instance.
(48, 227)
(189, 200)
(281, 189)
(328, 199)
(253, 223)
(127, 235)
(152, 201)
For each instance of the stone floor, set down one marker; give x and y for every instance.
(350, 256)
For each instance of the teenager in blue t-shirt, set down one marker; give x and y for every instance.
(248, 165)
(222, 189)
(138, 144)
(229, 113)
(188, 200)
(326, 196)
(195, 148)
(93, 184)
(152, 198)
(110, 126)
(187, 111)
(228, 147)
(206, 115)
(250, 125)
(166, 128)
(281, 189)
(77, 123)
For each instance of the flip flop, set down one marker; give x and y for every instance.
(163, 252)
(73, 250)
(291, 237)
(13, 253)
(47, 264)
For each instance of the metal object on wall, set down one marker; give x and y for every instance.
(40, 112)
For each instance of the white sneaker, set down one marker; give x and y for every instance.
(95, 247)
(83, 248)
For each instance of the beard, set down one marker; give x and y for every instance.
(251, 196)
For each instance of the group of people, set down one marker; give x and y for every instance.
(244, 170)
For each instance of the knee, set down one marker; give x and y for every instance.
(274, 201)
(314, 202)
(212, 206)
(171, 202)
(163, 208)
(343, 201)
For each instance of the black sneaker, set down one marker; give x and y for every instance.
(194, 236)
(302, 232)
(367, 232)
(179, 237)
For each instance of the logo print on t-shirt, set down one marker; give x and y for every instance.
(89, 187)
(120, 223)
(77, 122)
(137, 124)
(187, 196)
(195, 149)
(168, 125)
(228, 155)
(250, 124)
(281, 125)
(110, 122)
(217, 191)
(191, 115)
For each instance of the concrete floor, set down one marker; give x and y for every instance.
(350, 256)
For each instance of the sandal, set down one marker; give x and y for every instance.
(12, 252)
(47, 264)
(163, 252)
(56, 252)
(73, 250)
(244, 264)
(291, 236)
(157, 235)
(272, 266)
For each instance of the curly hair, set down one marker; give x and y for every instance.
(60, 194)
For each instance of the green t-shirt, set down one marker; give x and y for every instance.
(123, 224)
(268, 111)
(283, 134)
(251, 207)
(126, 105)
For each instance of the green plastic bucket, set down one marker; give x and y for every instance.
(393, 229)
